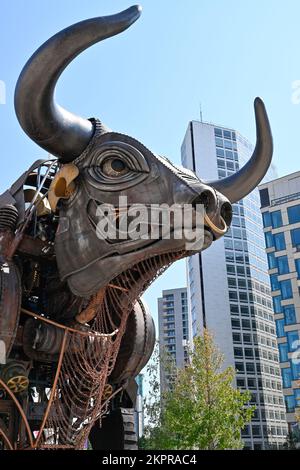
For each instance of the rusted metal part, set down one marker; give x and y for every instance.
(90, 312)
(10, 303)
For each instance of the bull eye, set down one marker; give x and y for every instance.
(114, 167)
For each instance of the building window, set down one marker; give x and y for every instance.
(297, 264)
(230, 269)
(248, 353)
(274, 282)
(246, 431)
(277, 303)
(269, 239)
(246, 338)
(276, 219)
(279, 241)
(289, 314)
(286, 377)
(297, 396)
(272, 261)
(283, 265)
(264, 197)
(236, 337)
(295, 236)
(286, 289)
(294, 214)
(267, 221)
(238, 352)
(218, 132)
(234, 309)
(233, 295)
(290, 403)
(239, 366)
(295, 370)
(243, 297)
(283, 352)
(256, 431)
(250, 367)
(293, 340)
(246, 324)
(280, 328)
(240, 383)
(235, 323)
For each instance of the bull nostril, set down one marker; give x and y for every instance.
(208, 200)
(226, 212)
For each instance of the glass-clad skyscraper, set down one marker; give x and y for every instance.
(280, 206)
(229, 289)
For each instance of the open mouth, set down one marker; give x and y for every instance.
(118, 297)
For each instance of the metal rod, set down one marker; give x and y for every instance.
(6, 439)
(53, 390)
(67, 328)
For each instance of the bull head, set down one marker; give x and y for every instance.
(109, 164)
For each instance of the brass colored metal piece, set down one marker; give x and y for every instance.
(18, 383)
(91, 311)
(63, 184)
(216, 229)
(108, 389)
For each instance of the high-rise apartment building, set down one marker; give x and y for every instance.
(139, 406)
(173, 329)
(280, 206)
(229, 289)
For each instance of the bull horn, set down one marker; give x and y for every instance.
(237, 186)
(53, 128)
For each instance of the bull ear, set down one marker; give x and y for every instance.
(237, 186)
(63, 134)
(63, 185)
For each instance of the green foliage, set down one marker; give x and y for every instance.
(202, 410)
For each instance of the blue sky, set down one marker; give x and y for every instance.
(148, 82)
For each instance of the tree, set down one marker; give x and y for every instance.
(203, 410)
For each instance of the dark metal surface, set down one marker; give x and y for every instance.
(55, 129)
(154, 180)
(137, 345)
(10, 303)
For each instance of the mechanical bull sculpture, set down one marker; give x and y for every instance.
(74, 332)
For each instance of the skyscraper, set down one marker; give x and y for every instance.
(229, 290)
(173, 329)
(280, 206)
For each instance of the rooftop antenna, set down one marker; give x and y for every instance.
(201, 115)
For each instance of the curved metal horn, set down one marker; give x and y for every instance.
(237, 186)
(58, 131)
